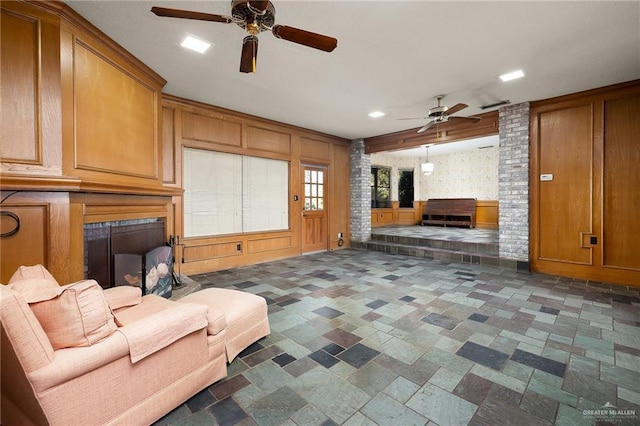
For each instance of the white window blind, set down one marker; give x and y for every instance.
(229, 194)
(265, 194)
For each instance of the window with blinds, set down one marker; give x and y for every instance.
(230, 194)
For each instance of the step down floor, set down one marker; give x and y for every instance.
(460, 245)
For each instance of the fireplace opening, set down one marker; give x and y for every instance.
(133, 252)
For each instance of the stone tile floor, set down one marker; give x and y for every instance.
(475, 235)
(368, 338)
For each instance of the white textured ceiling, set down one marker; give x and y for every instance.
(392, 56)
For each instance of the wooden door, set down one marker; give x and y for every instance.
(584, 186)
(314, 211)
(565, 192)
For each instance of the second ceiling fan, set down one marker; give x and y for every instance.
(443, 114)
(255, 17)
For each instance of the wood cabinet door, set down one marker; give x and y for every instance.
(314, 216)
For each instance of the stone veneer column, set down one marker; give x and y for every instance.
(513, 187)
(360, 192)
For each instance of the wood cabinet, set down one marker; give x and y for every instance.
(584, 185)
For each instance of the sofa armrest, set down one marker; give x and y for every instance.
(70, 363)
(158, 330)
(123, 296)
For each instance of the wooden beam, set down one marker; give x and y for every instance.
(441, 133)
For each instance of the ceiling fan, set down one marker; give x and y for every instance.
(442, 114)
(254, 17)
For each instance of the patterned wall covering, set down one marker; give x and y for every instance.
(471, 173)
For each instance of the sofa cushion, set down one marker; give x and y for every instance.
(78, 316)
(216, 317)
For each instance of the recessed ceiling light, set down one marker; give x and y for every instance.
(193, 43)
(376, 114)
(512, 75)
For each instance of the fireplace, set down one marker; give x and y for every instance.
(131, 252)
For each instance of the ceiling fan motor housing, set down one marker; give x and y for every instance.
(437, 112)
(254, 23)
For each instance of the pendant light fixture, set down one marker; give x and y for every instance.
(427, 167)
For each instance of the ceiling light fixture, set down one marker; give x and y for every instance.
(376, 114)
(195, 44)
(427, 167)
(512, 75)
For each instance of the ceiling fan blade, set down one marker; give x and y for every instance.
(258, 7)
(455, 108)
(249, 55)
(306, 38)
(411, 118)
(187, 14)
(467, 119)
(426, 126)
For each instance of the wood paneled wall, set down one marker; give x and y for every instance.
(89, 139)
(79, 112)
(585, 152)
(111, 113)
(30, 135)
(196, 125)
(486, 214)
(79, 140)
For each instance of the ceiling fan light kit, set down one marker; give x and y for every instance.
(254, 17)
(249, 54)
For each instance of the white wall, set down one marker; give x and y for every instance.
(472, 173)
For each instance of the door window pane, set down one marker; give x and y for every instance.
(314, 190)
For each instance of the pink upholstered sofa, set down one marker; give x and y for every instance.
(80, 355)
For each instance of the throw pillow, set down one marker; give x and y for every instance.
(34, 271)
(78, 316)
(34, 283)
